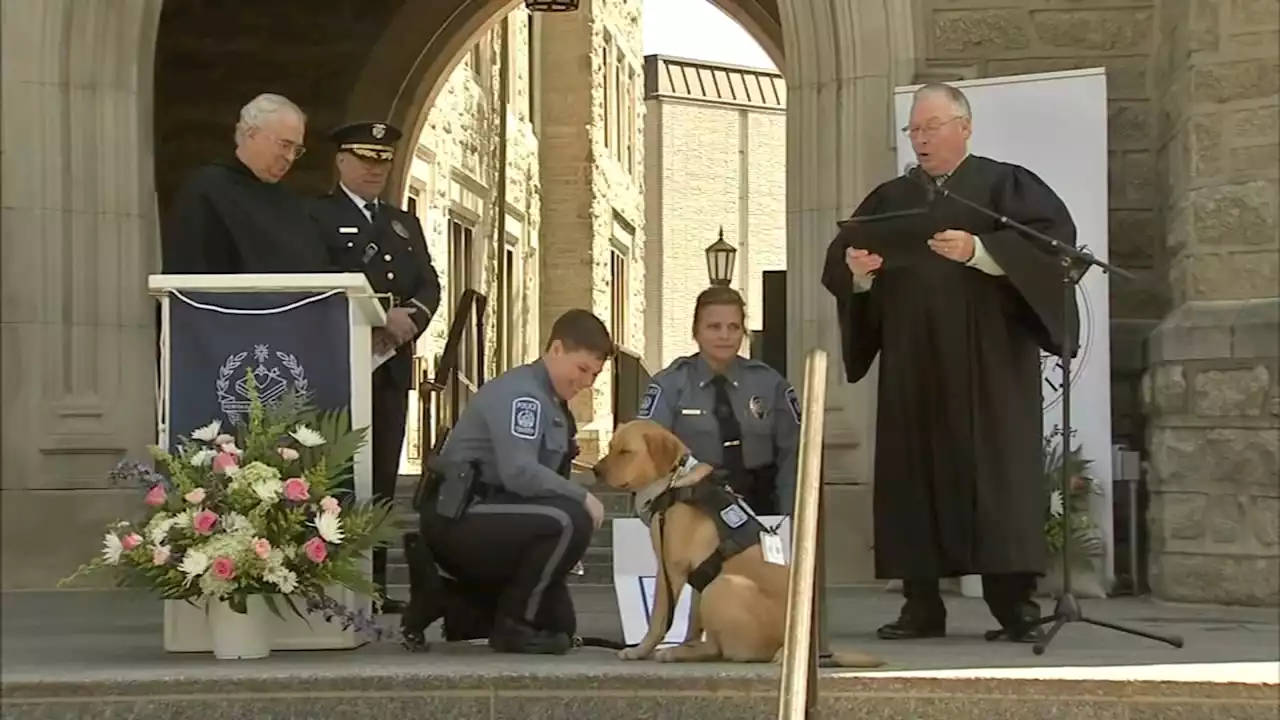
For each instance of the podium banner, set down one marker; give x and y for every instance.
(291, 341)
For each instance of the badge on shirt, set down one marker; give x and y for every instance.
(734, 516)
(649, 402)
(794, 402)
(400, 229)
(756, 406)
(526, 416)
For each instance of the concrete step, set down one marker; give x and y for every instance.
(470, 682)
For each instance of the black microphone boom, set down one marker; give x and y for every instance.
(1075, 263)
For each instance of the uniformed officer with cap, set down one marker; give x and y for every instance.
(504, 519)
(735, 413)
(368, 235)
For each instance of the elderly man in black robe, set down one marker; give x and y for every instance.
(234, 216)
(958, 331)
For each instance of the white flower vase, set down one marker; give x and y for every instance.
(240, 636)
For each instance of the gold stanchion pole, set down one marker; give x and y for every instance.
(798, 653)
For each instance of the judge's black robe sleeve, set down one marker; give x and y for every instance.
(1034, 271)
(857, 313)
(194, 239)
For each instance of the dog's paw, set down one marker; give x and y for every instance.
(665, 655)
(632, 653)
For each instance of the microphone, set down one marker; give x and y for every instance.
(914, 172)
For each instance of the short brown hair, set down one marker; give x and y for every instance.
(718, 295)
(580, 329)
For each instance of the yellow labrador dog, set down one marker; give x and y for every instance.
(743, 610)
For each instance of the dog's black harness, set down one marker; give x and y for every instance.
(738, 527)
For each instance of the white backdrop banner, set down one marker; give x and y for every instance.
(1055, 124)
(635, 572)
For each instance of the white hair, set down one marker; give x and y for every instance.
(263, 107)
(950, 93)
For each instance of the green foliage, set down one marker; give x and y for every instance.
(1085, 540)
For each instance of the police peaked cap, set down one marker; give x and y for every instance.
(369, 140)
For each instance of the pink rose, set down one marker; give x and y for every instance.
(155, 496)
(262, 547)
(330, 505)
(316, 550)
(224, 568)
(203, 522)
(160, 555)
(195, 497)
(288, 453)
(225, 462)
(130, 541)
(296, 489)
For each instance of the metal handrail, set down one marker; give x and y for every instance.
(797, 693)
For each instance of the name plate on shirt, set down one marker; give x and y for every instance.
(635, 578)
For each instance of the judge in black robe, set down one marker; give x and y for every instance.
(233, 216)
(958, 466)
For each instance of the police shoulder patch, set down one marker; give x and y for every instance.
(526, 417)
(734, 516)
(649, 402)
(794, 402)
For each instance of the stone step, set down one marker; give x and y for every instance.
(467, 681)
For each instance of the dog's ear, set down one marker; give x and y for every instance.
(664, 449)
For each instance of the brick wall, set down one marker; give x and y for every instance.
(716, 158)
(587, 192)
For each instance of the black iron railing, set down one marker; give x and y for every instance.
(459, 372)
(630, 379)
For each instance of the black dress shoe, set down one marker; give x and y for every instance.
(510, 636)
(914, 626)
(391, 607)
(1026, 628)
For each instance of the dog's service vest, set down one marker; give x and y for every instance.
(739, 530)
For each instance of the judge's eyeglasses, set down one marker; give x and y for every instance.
(930, 128)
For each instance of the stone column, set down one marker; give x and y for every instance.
(79, 239)
(1211, 389)
(842, 63)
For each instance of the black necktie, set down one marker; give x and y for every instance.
(372, 209)
(730, 430)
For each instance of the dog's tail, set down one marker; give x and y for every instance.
(854, 660)
(844, 660)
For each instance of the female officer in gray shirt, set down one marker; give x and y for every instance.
(735, 413)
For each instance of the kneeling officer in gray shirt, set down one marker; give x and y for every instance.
(505, 520)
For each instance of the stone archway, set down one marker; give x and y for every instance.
(101, 136)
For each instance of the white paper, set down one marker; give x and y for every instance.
(635, 578)
(378, 359)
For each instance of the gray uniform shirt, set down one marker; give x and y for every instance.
(516, 429)
(682, 399)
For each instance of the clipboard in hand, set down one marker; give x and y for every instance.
(901, 238)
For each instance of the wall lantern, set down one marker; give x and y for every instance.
(551, 5)
(720, 257)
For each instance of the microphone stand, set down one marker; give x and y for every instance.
(1075, 263)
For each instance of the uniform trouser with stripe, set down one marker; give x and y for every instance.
(519, 551)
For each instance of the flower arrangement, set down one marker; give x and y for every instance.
(1086, 541)
(228, 516)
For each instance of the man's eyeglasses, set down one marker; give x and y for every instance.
(929, 129)
(293, 149)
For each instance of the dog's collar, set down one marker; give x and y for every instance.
(644, 498)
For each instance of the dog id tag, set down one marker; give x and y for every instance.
(771, 546)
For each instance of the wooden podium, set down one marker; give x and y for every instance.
(214, 329)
